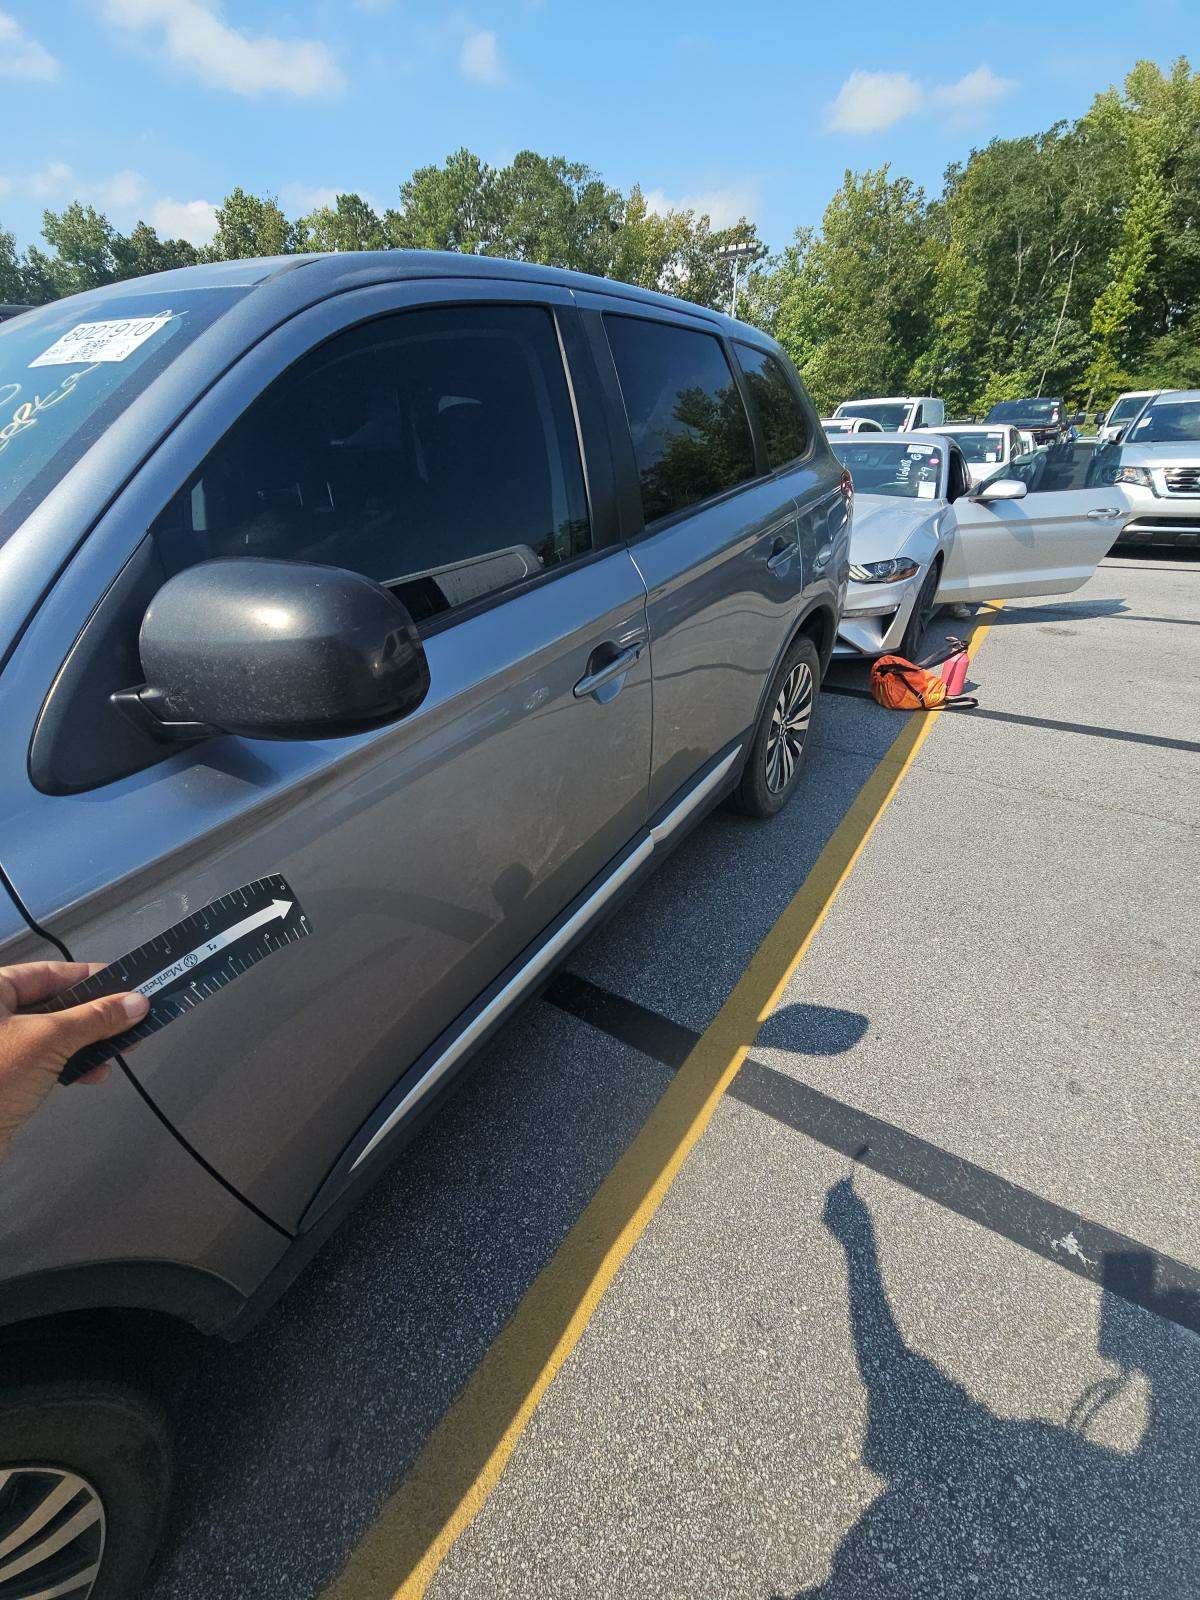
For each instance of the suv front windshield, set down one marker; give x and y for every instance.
(1126, 408)
(68, 371)
(1025, 411)
(889, 414)
(907, 471)
(1167, 422)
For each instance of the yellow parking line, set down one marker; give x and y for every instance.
(463, 1457)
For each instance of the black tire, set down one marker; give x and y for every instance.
(918, 624)
(769, 779)
(117, 1441)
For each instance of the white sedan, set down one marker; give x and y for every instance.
(922, 536)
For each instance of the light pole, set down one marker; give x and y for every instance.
(737, 253)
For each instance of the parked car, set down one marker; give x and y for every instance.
(453, 589)
(1156, 464)
(11, 311)
(985, 448)
(922, 536)
(1122, 412)
(896, 413)
(1044, 420)
(843, 425)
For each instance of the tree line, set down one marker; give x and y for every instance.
(1065, 262)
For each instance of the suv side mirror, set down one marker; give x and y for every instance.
(274, 650)
(1003, 489)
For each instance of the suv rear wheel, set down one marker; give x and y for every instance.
(780, 743)
(85, 1475)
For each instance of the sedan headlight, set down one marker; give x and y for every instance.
(892, 571)
(1141, 476)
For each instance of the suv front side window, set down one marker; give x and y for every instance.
(434, 451)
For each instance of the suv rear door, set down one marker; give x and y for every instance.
(1050, 542)
(716, 532)
(427, 855)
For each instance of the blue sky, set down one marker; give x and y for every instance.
(156, 108)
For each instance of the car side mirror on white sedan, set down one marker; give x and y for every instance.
(1002, 489)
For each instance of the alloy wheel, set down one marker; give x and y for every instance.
(51, 1534)
(789, 727)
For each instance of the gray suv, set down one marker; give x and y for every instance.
(439, 594)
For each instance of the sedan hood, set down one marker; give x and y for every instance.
(883, 525)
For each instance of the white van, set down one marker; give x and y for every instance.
(897, 413)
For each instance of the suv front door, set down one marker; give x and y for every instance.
(1050, 542)
(436, 450)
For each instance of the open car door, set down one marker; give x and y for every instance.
(1048, 542)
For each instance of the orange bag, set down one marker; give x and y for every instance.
(902, 685)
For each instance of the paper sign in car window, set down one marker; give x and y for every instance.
(89, 342)
(926, 489)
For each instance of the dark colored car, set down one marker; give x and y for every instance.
(438, 593)
(1045, 420)
(12, 311)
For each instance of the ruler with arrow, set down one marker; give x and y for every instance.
(189, 963)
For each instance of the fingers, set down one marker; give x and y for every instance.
(65, 1032)
(39, 980)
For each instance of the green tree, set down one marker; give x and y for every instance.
(12, 276)
(451, 207)
(852, 306)
(142, 251)
(250, 225)
(348, 224)
(556, 212)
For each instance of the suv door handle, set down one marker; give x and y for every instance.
(1102, 512)
(617, 667)
(781, 554)
(821, 559)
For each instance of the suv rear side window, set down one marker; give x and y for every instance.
(781, 419)
(434, 451)
(691, 437)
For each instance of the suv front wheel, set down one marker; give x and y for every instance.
(85, 1475)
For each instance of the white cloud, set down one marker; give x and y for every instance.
(479, 58)
(972, 93)
(120, 192)
(48, 182)
(723, 207)
(194, 220)
(870, 102)
(23, 57)
(196, 37)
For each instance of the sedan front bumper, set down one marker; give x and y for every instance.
(875, 616)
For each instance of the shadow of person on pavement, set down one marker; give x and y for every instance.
(981, 1505)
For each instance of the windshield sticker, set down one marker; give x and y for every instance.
(29, 412)
(920, 449)
(989, 455)
(92, 342)
(926, 490)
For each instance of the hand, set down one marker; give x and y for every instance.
(35, 1048)
(845, 1212)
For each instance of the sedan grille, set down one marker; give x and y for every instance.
(1183, 480)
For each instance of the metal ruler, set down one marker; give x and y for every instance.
(189, 963)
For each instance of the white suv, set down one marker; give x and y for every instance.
(897, 413)
(1158, 466)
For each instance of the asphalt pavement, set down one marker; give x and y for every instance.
(910, 1309)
